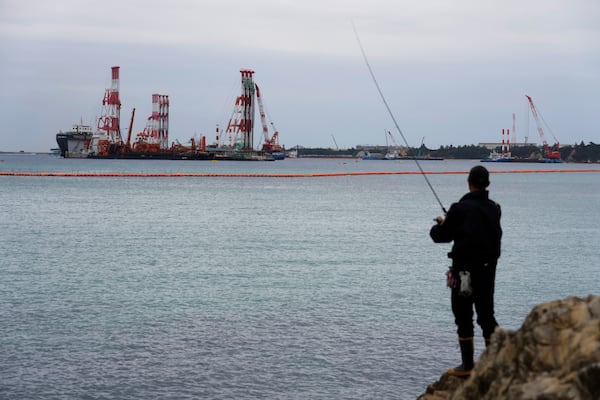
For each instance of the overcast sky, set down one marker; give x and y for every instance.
(453, 72)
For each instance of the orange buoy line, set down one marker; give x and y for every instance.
(275, 175)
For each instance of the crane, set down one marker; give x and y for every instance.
(514, 131)
(128, 143)
(396, 151)
(550, 153)
(394, 143)
(271, 144)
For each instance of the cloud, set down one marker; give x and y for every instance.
(452, 71)
(399, 29)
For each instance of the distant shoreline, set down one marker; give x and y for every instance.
(26, 152)
(305, 156)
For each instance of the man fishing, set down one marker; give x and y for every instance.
(473, 224)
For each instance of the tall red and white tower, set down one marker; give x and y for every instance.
(239, 130)
(109, 121)
(506, 144)
(163, 118)
(156, 133)
(159, 120)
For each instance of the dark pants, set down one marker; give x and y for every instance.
(482, 282)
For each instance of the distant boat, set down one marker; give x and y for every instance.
(292, 153)
(523, 160)
(498, 157)
(393, 155)
(372, 156)
(278, 155)
(505, 156)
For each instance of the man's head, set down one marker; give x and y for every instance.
(479, 178)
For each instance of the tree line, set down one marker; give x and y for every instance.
(582, 153)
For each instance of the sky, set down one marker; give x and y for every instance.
(452, 72)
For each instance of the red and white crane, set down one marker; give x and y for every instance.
(550, 153)
(271, 143)
(239, 131)
(155, 137)
(109, 121)
(108, 138)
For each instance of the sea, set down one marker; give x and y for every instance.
(263, 280)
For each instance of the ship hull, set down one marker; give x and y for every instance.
(73, 145)
(210, 155)
(157, 156)
(523, 160)
(280, 155)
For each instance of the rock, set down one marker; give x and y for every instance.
(554, 355)
(442, 388)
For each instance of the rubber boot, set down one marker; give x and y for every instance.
(466, 353)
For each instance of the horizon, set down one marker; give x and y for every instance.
(356, 147)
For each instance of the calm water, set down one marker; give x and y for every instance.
(279, 288)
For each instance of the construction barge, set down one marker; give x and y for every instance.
(551, 155)
(235, 144)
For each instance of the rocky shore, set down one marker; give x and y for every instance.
(554, 355)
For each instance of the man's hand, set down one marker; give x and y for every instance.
(439, 220)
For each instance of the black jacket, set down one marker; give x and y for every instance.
(474, 225)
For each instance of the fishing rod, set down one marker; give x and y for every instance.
(362, 50)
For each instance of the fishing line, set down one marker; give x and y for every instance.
(362, 50)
